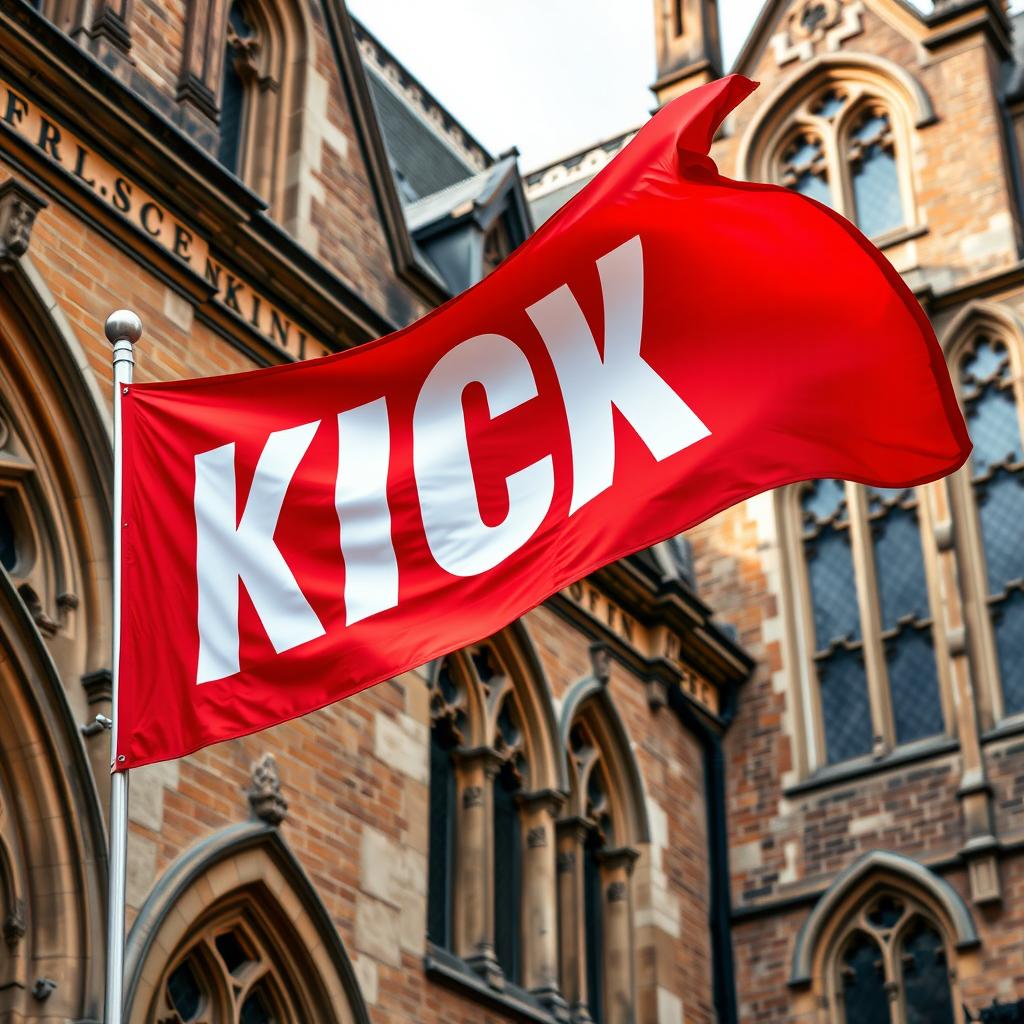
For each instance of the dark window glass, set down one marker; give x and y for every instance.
(926, 989)
(906, 623)
(232, 93)
(442, 825)
(876, 184)
(886, 913)
(8, 550)
(255, 1010)
(507, 876)
(184, 992)
(594, 932)
(838, 645)
(232, 952)
(865, 1000)
(997, 471)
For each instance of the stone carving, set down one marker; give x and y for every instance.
(616, 892)
(43, 989)
(14, 925)
(18, 209)
(536, 837)
(565, 862)
(472, 796)
(264, 791)
(814, 22)
(601, 662)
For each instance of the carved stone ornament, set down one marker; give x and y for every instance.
(14, 925)
(264, 791)
(601, 662)
(18, 208)
(814, 23)
(472, 796)
(536, 837)
(565, 862)
(617, 892)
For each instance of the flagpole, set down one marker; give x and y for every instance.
(123, 329)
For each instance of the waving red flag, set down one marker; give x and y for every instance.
(668, 344)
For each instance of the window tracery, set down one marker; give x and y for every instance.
(867, 607)
(892, 966)
(228, 976)
(844, 148)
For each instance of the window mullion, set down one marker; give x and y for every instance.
(883, 726)
(838, 172)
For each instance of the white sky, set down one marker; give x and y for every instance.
(549, 76)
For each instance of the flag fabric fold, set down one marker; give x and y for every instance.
(668, 344)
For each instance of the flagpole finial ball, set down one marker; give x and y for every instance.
(123, 324)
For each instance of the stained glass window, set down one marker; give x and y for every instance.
(865, 1000)
(804, 168)
(878, 207)
(997, 475)
(838, 645)
(906, 619)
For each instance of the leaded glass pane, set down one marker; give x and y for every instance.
(1001, 510)
(886, 912)
(184, 992)
(899, 565)
(833, 590)
(876, 183)
(8, 550)
(1008, 623)
(865, 1000)
(926, 990)
(914, 683)
(829, 104)
(507, 876)
(988, 361)
(844, 705)
(804, 168)
(993, 425)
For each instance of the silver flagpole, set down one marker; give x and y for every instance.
(123, 329)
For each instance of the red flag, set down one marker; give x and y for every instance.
(668, 344)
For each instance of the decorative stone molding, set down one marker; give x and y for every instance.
(98, 686)
(264, 791)
(601, 662)
(816, 22)
(472, 796)
(18, 209)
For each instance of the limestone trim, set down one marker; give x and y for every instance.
(247, 867)
(872, 873)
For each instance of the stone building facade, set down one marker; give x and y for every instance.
(528, 830)
(875, 769)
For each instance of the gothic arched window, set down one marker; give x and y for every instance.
(493, 792)
(842, 148)
(240, 51)
(988, 393)
(868, 612)
(892, 966)
(597, 840)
